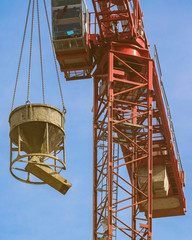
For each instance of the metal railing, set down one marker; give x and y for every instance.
(168, 112)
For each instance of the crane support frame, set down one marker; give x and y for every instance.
(137, 171)
(129, 112)
(118, 109)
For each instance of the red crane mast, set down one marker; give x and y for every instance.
(137, 172)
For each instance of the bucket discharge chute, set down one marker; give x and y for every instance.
(48, 175)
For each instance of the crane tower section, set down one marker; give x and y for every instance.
(137, 172)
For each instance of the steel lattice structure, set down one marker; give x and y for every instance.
(133, 137)
(123, 116)
(129, 112)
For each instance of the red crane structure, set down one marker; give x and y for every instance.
(137, 171)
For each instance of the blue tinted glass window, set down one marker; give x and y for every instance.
(69, 30)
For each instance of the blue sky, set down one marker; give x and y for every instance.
(39, 212)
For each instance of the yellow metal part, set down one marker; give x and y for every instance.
(48, 175)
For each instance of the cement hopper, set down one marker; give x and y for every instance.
(38, 145)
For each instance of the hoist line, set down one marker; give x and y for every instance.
(30, 54)
(55, 60)
(40, 50)
(41, 57)
(21, 54)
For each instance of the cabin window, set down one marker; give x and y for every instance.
(69, 19)
(65, 13)
(68, 30)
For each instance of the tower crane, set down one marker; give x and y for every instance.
(137, 170)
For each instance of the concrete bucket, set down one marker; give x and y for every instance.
(38, 145)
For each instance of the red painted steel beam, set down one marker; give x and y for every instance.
(150, 150)
(95, 109)
(110, 145)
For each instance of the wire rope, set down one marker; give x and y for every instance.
(41, 56)
(40, 49)
(30, 54)
(21, 54)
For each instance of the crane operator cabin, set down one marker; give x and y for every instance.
(70, 21)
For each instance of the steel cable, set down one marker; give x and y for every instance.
(40, 49)
(41, 58)
(58, 78)
(21, 54)
(30, 54)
